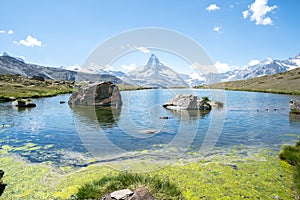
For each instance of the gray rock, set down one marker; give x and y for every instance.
(99, 94)
(121, 194)
(182, 102)
(23, 103)
(203, 105)
(126, 194)
(295, 105)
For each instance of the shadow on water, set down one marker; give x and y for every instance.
(105, 116)
(188, 114)
(294, 118)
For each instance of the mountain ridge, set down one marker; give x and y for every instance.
(12, 65)
(282, 83)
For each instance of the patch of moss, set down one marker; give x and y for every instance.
(227, 176)
(291, 154)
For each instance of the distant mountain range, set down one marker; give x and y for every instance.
(266, 67)
(152, 74)
(155, 73)
(12, 65)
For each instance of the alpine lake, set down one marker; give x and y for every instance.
(142, 131)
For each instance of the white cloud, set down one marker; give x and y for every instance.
(2, 31)
(30, 42)
(258, 11)
(253, 62)
(245, 14)
(212, 7)
(143, 49)
(10, 32)
(217, 29)
(224, 67)
(129, 67)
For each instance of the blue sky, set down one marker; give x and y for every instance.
(233, 32)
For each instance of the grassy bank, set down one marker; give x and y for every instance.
(283, 83)
(291, 154)
(231, 176)
(123, 87)
(13, 87)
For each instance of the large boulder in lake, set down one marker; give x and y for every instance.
(182, 102)
(99, 94)
(187, 102)
(295, 105)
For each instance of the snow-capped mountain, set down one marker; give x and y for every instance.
(193, 79)
(268, 66)
(17, 58)
(155, 74)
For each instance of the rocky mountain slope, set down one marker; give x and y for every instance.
(12, 65)
(155, 74)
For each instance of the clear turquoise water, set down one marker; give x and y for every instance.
(248, 118)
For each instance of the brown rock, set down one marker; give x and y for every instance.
(141, 194)
(99, 94)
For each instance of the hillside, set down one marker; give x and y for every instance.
(283, 83)
(14, 86)
(12, 65)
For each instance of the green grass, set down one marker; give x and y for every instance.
(123, 87)
(160, 189)
(291, 154)
(14, 87)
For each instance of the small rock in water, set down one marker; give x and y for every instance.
(164, 117)
(23, 103)
(62, 102)
(150, 131)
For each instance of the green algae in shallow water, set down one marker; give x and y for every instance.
(259, 176)
(28, 147)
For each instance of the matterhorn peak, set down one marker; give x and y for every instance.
(153, 60)
(5, 54)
